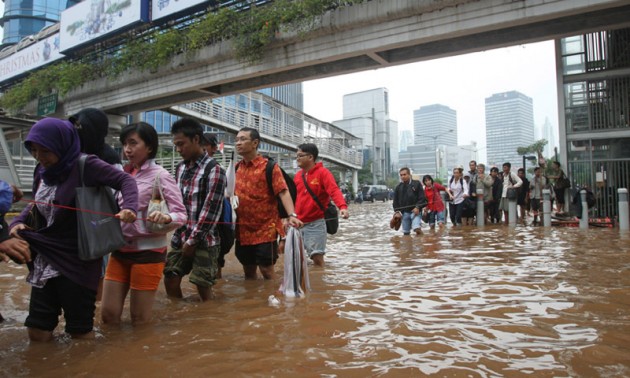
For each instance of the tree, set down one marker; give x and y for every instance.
(536, 148)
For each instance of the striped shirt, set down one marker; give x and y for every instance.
(202, 190)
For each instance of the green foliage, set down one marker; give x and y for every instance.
(535, 148)
(251, 31)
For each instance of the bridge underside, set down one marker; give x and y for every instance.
(345, 44)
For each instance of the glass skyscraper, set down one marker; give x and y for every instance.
(509, 125)
(22, 18)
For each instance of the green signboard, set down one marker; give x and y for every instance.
(47, 105)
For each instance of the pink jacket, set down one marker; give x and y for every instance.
(136, 234)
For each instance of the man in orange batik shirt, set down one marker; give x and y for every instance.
(259, 222)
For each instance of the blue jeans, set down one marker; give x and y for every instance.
(410, 221)
(436, 216)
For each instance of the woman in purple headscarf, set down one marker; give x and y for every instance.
(59, 279)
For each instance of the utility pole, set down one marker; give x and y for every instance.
(374, 182)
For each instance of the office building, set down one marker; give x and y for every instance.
(406, 140)
(594, 91)
(547, 132)
(509, 125)
(24, 18)
(435, 130)
(366, 115)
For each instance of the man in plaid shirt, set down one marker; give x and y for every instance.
(196, 245)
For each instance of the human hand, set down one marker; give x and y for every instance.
(188, 251)
(16, 250)
(295, 222)
(159, 217)
(344, 213)
(126, 215)
(18, 227)
(17, 193)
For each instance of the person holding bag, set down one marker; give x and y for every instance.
(316, 186)
(137, 267)
(60, 280)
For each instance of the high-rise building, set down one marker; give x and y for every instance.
(435, 125)
(406, 140)
(435, 129)
(289, 94)
(594, 89)
(509, 125)
(366, 115)
(28, 17)
(546, 132)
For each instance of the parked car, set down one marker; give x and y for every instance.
(375, 193)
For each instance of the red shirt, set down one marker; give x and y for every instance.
(323, 185)
(258, 220)
(434, 199)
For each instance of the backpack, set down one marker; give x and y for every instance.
(287, 178)
(225, 227)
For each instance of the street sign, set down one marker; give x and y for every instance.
(47, 104)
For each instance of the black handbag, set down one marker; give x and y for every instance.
(99, 232)
(331, 215)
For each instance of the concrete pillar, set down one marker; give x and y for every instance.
(481, 216)
(546, 217)
(623, 209)
(584, 219)
(355, 181)
(512, 212)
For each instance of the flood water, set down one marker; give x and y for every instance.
(467, 302)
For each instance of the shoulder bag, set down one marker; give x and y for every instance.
(99, 232)
(157, 203)
(331, 215)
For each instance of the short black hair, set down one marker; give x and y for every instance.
(253, 133)
(494, 169)
(309, 148)
(210, 139)
(536, 169)
(189, 127)
(404, 169)
(427, 177)
(146, 132)
(507, 164)
(521, 170)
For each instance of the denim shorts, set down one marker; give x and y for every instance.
(60, 293)
(436, 216)
(203, 267)
(315, 237)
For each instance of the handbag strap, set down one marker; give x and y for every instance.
(311, 192)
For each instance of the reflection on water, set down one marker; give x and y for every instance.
(462, 302)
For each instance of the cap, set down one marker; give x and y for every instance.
(210, 139)
(467, 174)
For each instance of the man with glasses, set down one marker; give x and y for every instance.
(258, 220)
(322, 185)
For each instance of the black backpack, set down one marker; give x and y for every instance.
(287, 178)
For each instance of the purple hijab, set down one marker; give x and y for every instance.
(61, 138)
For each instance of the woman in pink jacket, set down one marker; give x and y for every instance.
(138, 266)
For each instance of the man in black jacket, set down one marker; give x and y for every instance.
(409, 200)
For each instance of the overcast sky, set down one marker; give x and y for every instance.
(461, 83)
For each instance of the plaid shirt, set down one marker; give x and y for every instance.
(203, 192)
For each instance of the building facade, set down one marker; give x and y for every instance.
(366, 115)
(594, 93)
(509, 125)
(22, 18)
(434, 132)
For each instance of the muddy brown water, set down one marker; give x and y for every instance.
(468, 302)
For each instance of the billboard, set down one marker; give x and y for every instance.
(36, 55)
(165, 8)
(92, 19)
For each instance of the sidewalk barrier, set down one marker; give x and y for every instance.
(584, 219)
(512, 212)
(623, 209)
(546, 218)
(481, 218)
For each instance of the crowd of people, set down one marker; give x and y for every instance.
(418, 201)
(62, 283)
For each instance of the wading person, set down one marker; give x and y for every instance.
(195, 245)
(435, 206)
(322, 185)
(137, 267)
(511, 182)
(538, 183)
(258, 220)
(409, 200)
(60, 281)
(457, 191)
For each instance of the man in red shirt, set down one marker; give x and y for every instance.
(258, 220)
(322, 183)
